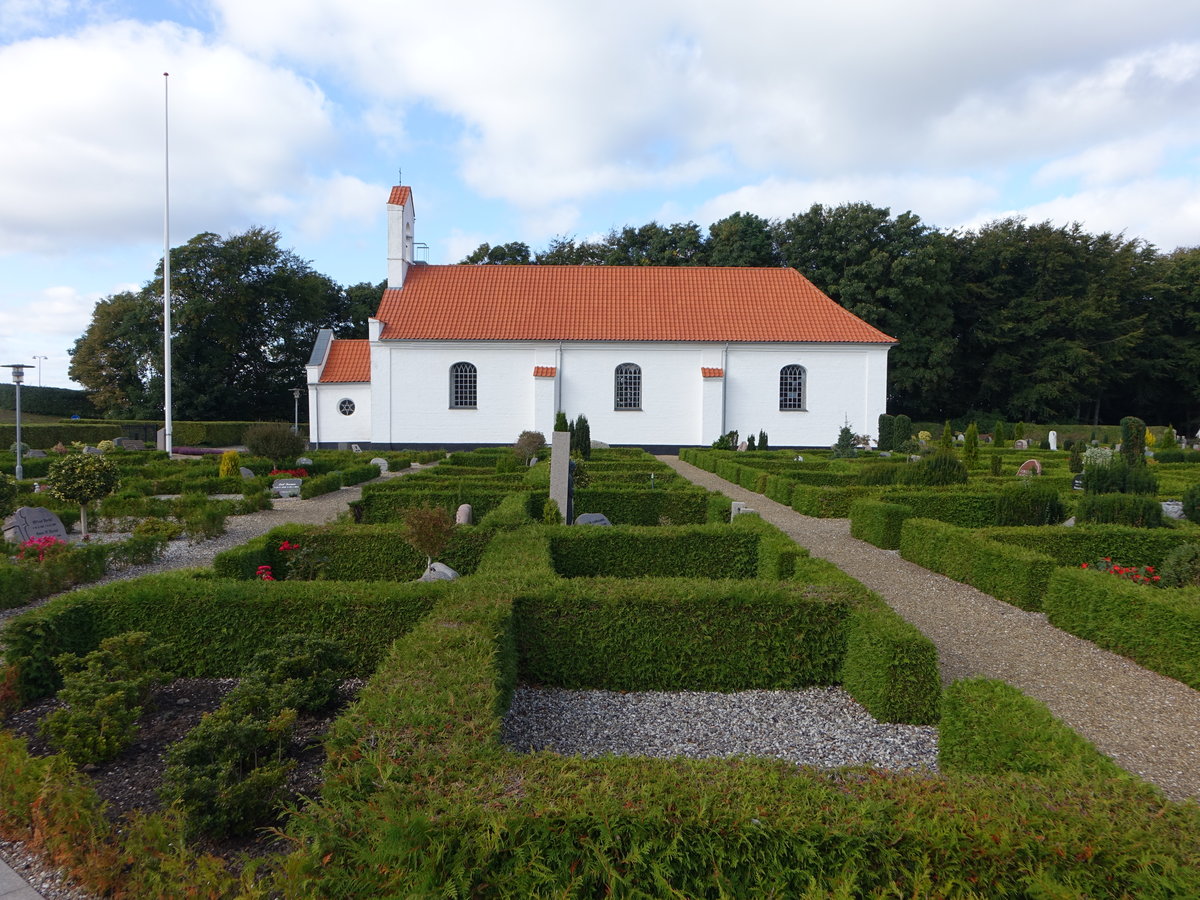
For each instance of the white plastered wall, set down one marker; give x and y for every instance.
(327, 424)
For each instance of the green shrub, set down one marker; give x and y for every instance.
(902, 432)
(1133, 442)
(625, 551)
(275, 441)
(104, 692)
(878, 523)
(1119, 477)
(231, 464)
(886, 425)
(1029, 502)
(1120, 509)
(513, 512)
(890, 667)
(8, 495)
(878, 473)
(303, 671)
(82, 478)
(317, 485)
(1191, 503)
(942, 468)
(1072, 546)
(1181, 568)
(137, 550)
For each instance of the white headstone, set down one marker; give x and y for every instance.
(356, 448)
(1053, 438)
(592, 519)
(738, 508)
(463, 515)
(438, 572)
(303, 461)
(382, 463)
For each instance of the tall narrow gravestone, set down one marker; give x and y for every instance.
(560, 473)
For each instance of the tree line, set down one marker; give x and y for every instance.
(1029, 322)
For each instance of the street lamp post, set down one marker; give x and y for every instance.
(296, 392)
(39, 365)
(18, 377)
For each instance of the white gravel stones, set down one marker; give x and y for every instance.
(823, 727)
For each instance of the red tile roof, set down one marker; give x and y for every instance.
(399, 196)
(615, 303)
(347, 361)
(706, 372)
(544, 371)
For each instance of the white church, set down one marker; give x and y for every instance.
(655, 356)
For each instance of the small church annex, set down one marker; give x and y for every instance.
(655, 356)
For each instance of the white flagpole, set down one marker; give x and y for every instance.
(167, 423)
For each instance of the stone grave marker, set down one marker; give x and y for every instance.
(560, 472)
(592, 519)
(35, 454)
(1053, 438)
(34, 522)
(743, 446)
(1030, 467)
(738, 508)
(1077, 483)
(462, 515)
(356, 448)
(93, 451)
(1021, 444)
(287, 487)
(438, 572)
(303, 461)
(382, 463)
(247, 474)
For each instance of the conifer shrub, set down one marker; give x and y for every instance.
(230, 464)
(551, 514)
(1118, 477)
(104, 693)
(1181, 568)
(999, 433)
(996, 462)
(302, 670)
(971, 445)
(886, 425)
(1133, 441)
(1075, 463)
(560, 421)
(8, 495)
(902, 432)
(762, 440)
(879, 473)
(1191, 503)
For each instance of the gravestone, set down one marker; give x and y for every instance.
(134, 444)
(287, 487)
(34, 522)
(438, 572)
(1077, 483)
(160, 440)
(355, 448)
(738, 508)
(1021, 444)
(303, 461)
(1030, 467)
(1053, 438)
(382, 463)
(593, 519)
(560, 472)
(35, 454)
(960, 438)
(247, 474)
(462, 515)
(799, 459)
(1173, 509)
(93, 451)
(885, 454)
(743, 446)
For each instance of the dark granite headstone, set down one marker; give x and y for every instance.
(35, 522)
(133, 444)
(35, 454)
(287, 487)
(1077, 483)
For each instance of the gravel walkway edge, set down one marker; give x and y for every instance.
(1149, 724)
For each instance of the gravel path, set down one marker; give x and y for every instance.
(1148, 723)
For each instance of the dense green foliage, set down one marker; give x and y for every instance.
(634, 552)
(1120, 509)
(878, 523)
(47, 401)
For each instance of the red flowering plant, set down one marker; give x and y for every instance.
(41, 548)
(264, 573)
(1136, 574)
(294, 473)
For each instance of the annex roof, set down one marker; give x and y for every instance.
(616, 303)
(348, 360)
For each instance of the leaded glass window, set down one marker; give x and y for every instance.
(463, 386)
(791, 387)
(627, 392)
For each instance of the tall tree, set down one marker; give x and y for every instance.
(514, 253)
(244, 315)
(742, 239)
(893, 272)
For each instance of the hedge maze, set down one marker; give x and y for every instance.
(420, 798)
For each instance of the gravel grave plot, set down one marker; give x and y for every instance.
(822, 727)
(1147, 723)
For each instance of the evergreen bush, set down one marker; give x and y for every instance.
(1120, 509)
(886, 426)
(1191, 503)
(902, 432)
(1181, 568)
(939, 469)
(1133, 441)
(1029, 502)
(275, 441)
(971, 445)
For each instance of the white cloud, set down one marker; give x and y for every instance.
(1109, 163)
(82, 160)
(328, 204)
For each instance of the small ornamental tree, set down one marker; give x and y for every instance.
(947, 442)
(427, 529)
(845, 444)
(83, 478)
(971, 445)
(999, 433)
(275, 441)
(529, 444)
(762, 440)
(885, 431)
(560, 421)
(1133, 441)
(902, 434)
(231, 464)
(751, 442)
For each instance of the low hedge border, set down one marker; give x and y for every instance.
(661, 505)
(215, 626)
(629, 551)
(1006, 572)
(828, 502)
(1158, 628)
(317, 485)
(1080, 544)
(24, 582)
(878, 523)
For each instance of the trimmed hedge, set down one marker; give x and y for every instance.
(1120, 509)
(625, 551)
(381, 503)
(828, 502)
(215, 627)
(1156, 627)
(1007, 572)
(1080, 544)
(964, 508)
(316, 485)
(878, 523)
(990, 728)
(890, 667)
(23, 582)
(692, 634)
(686, 505)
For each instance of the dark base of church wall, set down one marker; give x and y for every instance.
(656, 449)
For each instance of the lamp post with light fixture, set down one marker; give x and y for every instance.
(18, 377)
(296, 392)
(39, 365)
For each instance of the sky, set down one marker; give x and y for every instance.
(531, 119)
